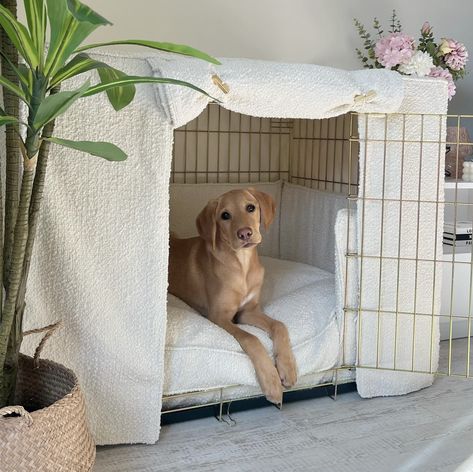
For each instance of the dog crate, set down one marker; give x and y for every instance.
(220, 150)
(228, 148)
(355, 259)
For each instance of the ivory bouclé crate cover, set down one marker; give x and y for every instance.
(102, 254)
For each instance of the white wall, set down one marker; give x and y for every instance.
(318, 31)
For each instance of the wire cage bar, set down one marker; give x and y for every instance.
(226, 147)
(220, 146)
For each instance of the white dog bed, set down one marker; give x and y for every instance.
(200, 355)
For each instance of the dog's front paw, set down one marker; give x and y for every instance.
(271, 385)
(287, 368)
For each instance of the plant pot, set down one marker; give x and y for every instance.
(51, 432)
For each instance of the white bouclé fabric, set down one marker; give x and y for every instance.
(304, 212)
(102, 248)
(100, 262)
(402, 181)
(200, 355)
(271, 89)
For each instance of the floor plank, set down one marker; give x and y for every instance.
(430, 430)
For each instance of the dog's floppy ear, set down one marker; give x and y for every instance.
(267, 206)
(206, 222)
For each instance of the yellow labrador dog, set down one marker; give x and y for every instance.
(219, 274)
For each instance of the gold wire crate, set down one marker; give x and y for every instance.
(226, 147)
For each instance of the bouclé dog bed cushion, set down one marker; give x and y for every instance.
(200, 355)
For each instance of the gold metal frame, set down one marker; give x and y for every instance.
(228, 400)
(225, 147)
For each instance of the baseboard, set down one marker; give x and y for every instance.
(459, 328)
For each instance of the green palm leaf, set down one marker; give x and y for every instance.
(82, 13)
(70, 23)
(26, 79)
(119, 97)
(78, 65)
(12, 88)
(7, 120)
(19, 71)
(36, 17)
(56, 104)
(19, 36)
(107, 151)
(131, 80)
(168, 47)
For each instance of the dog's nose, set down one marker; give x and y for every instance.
(244, 234)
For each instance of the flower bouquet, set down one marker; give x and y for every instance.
(398, 51)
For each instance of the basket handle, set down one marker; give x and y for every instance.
(50, 330)
(19, 410)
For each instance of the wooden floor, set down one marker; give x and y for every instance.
(428, 431)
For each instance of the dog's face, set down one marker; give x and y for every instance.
(234, 218)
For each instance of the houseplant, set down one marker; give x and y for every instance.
(36, 59)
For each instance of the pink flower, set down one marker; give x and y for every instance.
(446, 75)
(455, 53)
(426, 28)
(394, 49)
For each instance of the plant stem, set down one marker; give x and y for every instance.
(16, 270)
(12, 319)
(8, 208)
(2, 234)
(11, 104)
(35, 205)
(33, 214)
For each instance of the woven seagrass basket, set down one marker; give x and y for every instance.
(49, 431)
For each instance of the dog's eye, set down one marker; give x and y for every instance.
(250, 208)
(225, 215)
